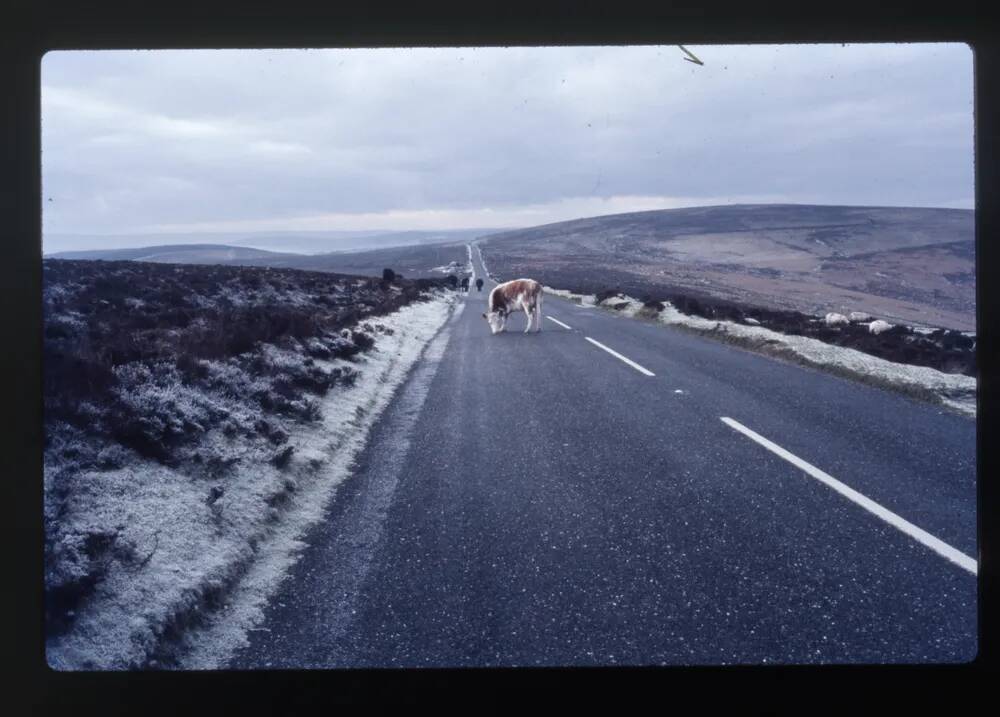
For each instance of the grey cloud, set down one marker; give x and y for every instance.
(134, 139)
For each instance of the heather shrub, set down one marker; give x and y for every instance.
(196, 367)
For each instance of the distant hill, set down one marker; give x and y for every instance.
(174, 254)
(913, 265)
(414, 261)
(295, 242)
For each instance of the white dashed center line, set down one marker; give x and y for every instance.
(918, 534)
(617, 355)
(557, 321)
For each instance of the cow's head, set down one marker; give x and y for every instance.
(496, 319)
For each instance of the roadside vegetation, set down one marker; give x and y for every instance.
(945, 350)
(202, 371)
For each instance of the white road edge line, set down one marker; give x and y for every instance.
(918, 534)
(558, 322)
(617, 355)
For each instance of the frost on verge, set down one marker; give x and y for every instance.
(211, 645)
(155, 530)
(582, 299)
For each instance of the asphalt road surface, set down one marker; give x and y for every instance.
(534, 499)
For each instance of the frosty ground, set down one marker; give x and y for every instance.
(223, 462)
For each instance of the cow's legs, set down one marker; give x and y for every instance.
(529, 312)
(538, 313)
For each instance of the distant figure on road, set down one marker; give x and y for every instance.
(479, 284)
(465, 284)
(510, 296)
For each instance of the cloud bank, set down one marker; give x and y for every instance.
(437, 138)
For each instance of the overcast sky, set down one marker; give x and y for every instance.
(266, 140)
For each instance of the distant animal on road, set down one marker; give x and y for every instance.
(465, 283)
(511, 296)
(479, 284)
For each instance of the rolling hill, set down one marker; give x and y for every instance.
(911, 265)
(414, 261)
(174, 254)
(65, 246)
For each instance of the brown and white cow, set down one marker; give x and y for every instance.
(520, 294)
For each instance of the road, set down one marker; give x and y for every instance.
(534, 499)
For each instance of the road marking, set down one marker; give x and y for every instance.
(918, 534)
(617, 355)
(558, 322)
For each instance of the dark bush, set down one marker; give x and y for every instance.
(91, 552)
(388, 275)
(309, 412)
(281, 458)
(315, 381)
(346, 375)
(99, 315)
(362, 341)
(426, 284)
(218, 466)
(148, 436)
(265, 428)
(58, 330)
(191, 369)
